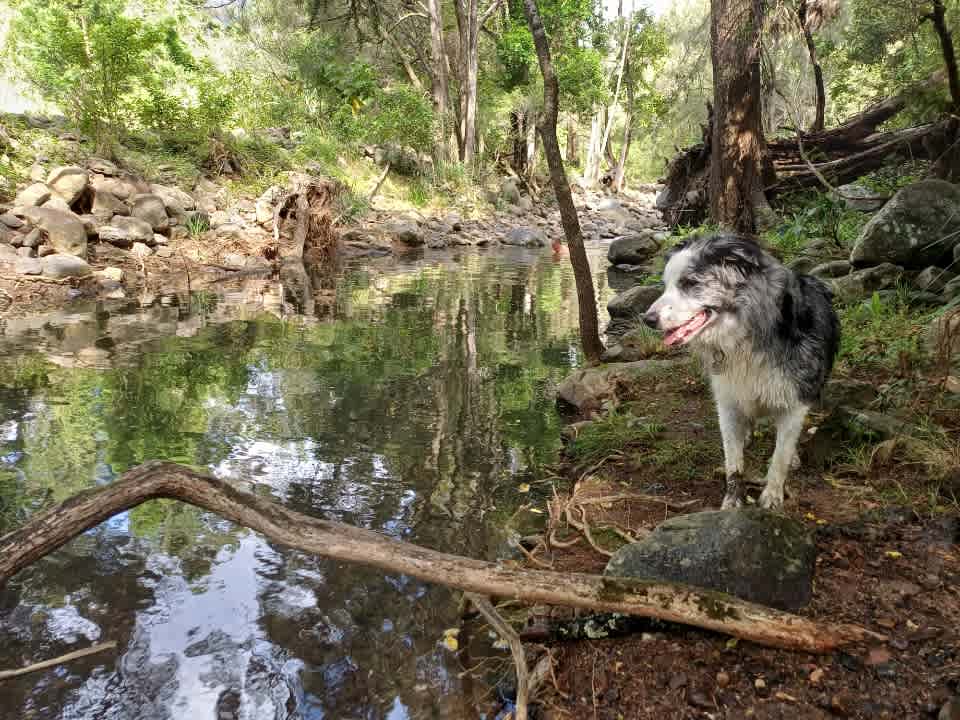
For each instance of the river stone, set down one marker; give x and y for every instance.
(102, 166)
(751, 553)
(28, 266)
(860, 198)
(32, 239)
(11, 221)
(64, 229)
(26, 252)
(632, 249)
(633, 303)
(57, 203)
(861, 284)
(266, 203)
(587, 389)
(150, 209)
(119, 187)
(832, 269)
(525, 237)
(141, 250)
(60, 266)
(407, 233)
(68, 181)
(33, 195)
(933, 279)
(918, 227)
(802, 264)
(115, 236)
(136, 229)
(176, 200)
(106, 205)
(509, 192)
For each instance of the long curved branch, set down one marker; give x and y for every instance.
(671, 602)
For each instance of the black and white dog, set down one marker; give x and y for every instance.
(767, 337)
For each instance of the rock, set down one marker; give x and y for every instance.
(164, 251)
(33, 195)
(266, 203)
(68, 181)
(234, 260)
(933, 279)
(525, 237)
(587, 389)
(754, 554)
(64, 230)
(407, 233)
(158, 239)
(26, 252)
(942, 337)
(28, 266)
(57, 203)
(847, 391)
(802, 264)
(150, 208)
(632, 250)
(118, 187)
(135, 229)
(861, 284)
(174, 199)
(832, 269)
(11, 221)
(874, 425)
(229, 230)
(115, 236)
(857, 197)
(110, 273)
(60, 266)
(141, 250)
(7, 253)
(106, 205)
(509, 193)
(38, 173)
(32, 239)
(45, 250)
(4, 235)
(918, 227)
(633, 303)
(103, 167)
(525, 204)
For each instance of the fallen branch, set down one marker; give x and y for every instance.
(53, 662)
(671, 602)
(509, 636)
(41, 279)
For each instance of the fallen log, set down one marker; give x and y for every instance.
(51, 529)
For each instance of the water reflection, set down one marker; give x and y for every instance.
(412, 407)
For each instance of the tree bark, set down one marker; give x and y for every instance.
(573, 157)
(49, 530)
(939, 19)
(438, 67)
(388, 38)
(586, 299)
(738, 145)
(818, 122)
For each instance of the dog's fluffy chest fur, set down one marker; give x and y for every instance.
(751, 381)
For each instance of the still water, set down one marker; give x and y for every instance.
(414, 403)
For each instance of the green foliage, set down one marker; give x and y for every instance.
(615, 431)
(403, 116)
(883, 331)
(814, 215)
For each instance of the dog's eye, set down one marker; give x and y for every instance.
(686, 283)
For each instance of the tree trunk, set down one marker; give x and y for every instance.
(738, 143)
(387, 37)
(438, 63)
(592, 169)
(573, 157)
(518, 139)
(47, 531)
(939, 19)
(619, 174)
(818, 122)
(530, 149)
(586, 299)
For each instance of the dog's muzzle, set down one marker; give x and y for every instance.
(651, 318)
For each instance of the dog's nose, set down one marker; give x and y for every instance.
(651, 318)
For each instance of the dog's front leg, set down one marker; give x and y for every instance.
(789, 427)
(734, 427)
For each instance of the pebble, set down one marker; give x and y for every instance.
(816, 676)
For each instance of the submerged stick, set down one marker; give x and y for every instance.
(672, 602)
(509, 636)
(53, 662)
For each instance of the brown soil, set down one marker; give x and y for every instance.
(888, 560)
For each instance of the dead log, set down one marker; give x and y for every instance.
(304, 220)
(51, 529)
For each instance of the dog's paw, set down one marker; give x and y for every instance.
(795, 462)
(731, 501)
(771, 499)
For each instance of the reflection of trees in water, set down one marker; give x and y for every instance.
(419, 402)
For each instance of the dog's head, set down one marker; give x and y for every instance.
(704, 279)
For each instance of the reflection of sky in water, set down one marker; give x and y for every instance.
(401, 423)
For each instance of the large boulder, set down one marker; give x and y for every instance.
(754, 554)
(106, 205)
(176, 200)
(919, 227)
(151, 209)
(119, 187)
(832, 269)
(632, 249)
(68, 181)
(525, 237)
(632, 303)
(408, 234)
(863, 283)
(860, 198)
(586, 390)
(266, 203)
(933, 279)
(509, 192)
(59, 265)
(134, 229)
(32, 195)
(65, 230)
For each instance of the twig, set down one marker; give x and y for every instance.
(53, 662)
(507, 633)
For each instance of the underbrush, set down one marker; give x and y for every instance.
(615, 431)
(814, 215)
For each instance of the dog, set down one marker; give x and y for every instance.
(767, 337)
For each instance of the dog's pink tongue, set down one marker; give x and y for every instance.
(683, 332)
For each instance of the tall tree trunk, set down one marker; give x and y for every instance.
(591, 171)
(620, 173)
(817, 70)
(387, 37)
(518, 135)
(738, 145)
(438, 63)
(939, 19)
(531, 145)
(586, 300)
(573, 157)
